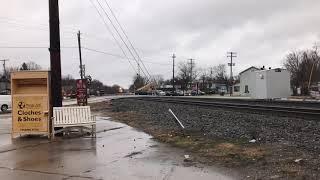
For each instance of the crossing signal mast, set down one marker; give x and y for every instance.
(231, 55)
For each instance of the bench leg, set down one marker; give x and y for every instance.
(94, 131)
(81, 131)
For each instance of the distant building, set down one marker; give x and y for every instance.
(236, 89)
(4, 85)
(246, 81)
(265, 84)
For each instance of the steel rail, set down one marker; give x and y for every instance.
(237, 105)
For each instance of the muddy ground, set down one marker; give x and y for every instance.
(260, 160)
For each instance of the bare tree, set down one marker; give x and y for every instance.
(138, 82)
(30, 66)
(184, 75)
(204, 78)
(158, 79)
(6, 76)
(220, 73)
(304, 69)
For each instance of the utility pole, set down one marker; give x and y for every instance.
(313, 64)
(80, 56)
(55, 56)
(211, 78)
(5, 73)
(231, 55)
(191, 71)
(173, 83)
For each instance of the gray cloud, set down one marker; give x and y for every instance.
(262, 32)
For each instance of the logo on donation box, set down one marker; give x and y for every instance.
(82, 92)
(29, 114)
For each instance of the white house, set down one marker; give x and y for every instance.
(265, 84)
(247, 81)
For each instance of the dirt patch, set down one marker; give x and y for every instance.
(258, 160)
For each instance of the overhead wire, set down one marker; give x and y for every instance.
(126, 36)
(121, 38)
(112, 34)
(121, 57)
(33, 47)
(85, 48)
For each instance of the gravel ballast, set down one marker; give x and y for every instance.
(228, 123)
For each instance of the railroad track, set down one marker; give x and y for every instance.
(293, 110)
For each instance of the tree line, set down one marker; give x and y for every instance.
(186, 76)
(25, 66)
(68, 82)
(96, 87)
(304, 67)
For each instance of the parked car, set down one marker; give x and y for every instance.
(142, 93)
(187, 93)
(5, 102)
(169, 93)
(202, 93)
(179, 93)
(160, 93)
(197, 93)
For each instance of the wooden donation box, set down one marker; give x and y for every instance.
(30, 103)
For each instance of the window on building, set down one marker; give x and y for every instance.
(237, 89)
(246, 89)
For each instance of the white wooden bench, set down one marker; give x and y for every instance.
(73, 117)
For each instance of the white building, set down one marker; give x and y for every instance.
(265, 84)
(247, 79)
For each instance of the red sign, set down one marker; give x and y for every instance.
(82, 97)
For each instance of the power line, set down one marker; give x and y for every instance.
(121, 57)
(125, 34)
(43, 27)
(89, 49)
(32, 47)
(112, 34)
(121, 38)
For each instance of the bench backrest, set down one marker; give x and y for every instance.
(72, 115)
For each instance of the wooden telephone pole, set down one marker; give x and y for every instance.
(80, 56)
(231, 55)
(173, 83)
(55, 56)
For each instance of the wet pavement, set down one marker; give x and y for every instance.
(118, 152)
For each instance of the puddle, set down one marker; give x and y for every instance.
(108, 157)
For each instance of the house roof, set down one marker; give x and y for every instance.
(252, 67)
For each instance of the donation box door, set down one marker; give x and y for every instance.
(30, 102)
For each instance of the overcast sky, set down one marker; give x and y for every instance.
(261, 32)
